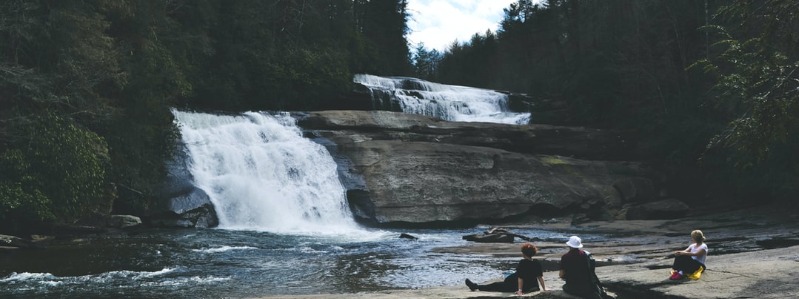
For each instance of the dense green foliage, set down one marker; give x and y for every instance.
(60, 174)
(86, 85)
(711, 87)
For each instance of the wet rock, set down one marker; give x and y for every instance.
(110, 221)
(778, 242)
(578, 142)
(662, 209)
(402, 169)
(203, 216)
(757, 274)
(123, 221)
(407, 236)
(14, 242)
(489, 238)
(181, 203)
(193, 209)
(635, 189)
(420, 182)
(497, 235)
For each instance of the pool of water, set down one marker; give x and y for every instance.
(214, 263)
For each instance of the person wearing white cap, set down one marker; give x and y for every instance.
(575, 269)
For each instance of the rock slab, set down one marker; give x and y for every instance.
(412, 169)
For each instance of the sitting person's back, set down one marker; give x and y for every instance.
(526, 279)
(575, 269)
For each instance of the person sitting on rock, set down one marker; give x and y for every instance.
(692, 259)
(526, 278)
(577, 270)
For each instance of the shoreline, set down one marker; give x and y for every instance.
(754, 253)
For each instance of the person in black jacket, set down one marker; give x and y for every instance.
(576, 270)
(527, 277)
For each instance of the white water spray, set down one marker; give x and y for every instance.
(449, 102)
(261, 174)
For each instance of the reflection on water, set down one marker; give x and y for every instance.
(220, 263)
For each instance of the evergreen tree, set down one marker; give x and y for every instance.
(626, 65)
(99, 78)
(425, 62)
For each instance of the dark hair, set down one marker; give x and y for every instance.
(529, 249)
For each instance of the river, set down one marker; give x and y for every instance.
(284, 224)
(216, 263)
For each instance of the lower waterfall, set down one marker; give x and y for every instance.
(262, 175)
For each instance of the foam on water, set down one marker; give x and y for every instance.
(47, 278)
(263, 175)
(449, 102)
(223, 249)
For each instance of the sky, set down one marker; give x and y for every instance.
(437, 23)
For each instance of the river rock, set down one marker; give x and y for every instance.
(577, 142)
(662, 209)
(192, 209)
(7, 241)
(123, 221)
(636, 189)
(489, 238)
(405, 168)
(181, 203)
(110, 221)
(408, 236)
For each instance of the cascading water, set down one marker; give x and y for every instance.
(261, 174)
(287, 231)
(449, 102)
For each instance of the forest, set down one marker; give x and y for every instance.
(709, 87)
(87, 86)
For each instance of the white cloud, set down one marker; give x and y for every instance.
(438, 23)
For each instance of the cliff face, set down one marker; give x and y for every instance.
(403, 168)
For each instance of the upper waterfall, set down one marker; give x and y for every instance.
(449, 102)
(261, 174)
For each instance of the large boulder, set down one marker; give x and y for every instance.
(578, 142)
(662, 209)
(123, 221)
(100, 220)
(181, 203)
(425, 182)
(7, 241)
(193, 208)
(489, 238)
(635, 189)
(400, 168)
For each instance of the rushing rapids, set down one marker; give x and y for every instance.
(449, 102)
(261, 174)
(285, 229)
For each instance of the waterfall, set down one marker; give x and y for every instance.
(449, 102)
(261, 174)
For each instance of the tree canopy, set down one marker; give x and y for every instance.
(711, 87)
(86, 86)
